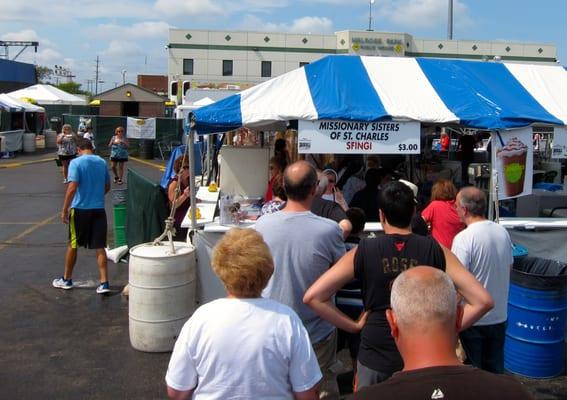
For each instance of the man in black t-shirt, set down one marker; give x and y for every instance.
(376, 263)
(424, 320)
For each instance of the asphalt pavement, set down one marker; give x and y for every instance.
(58, 344)
(74, 344)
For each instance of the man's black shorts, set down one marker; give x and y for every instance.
(87, 228)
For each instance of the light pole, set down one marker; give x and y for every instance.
(370, 2)
(450, 23)
(123, 76)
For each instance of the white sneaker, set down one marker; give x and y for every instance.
(103, 288)
(62, 283)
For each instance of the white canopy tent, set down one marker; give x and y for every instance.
(19, 105)
(47, 94)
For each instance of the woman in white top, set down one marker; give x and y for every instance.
(66, 148)
(243, 346)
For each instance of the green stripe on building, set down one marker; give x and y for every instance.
(479, 57)
(254, 48)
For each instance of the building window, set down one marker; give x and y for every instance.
(303, 64)
(187, 66)
(266, 69)
(226, 67)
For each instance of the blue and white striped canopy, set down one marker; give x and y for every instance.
(482, 95)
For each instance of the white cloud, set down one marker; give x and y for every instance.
(187, 7)
(46, 52)
(48, 57)
(312, 24)
(140, 30)
(122, 48)
(25, 34)
(421, 13)
(71, 10)
(315, 25)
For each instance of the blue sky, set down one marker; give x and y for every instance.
(130, 34)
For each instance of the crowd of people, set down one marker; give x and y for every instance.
(275, 334)
(430, 279)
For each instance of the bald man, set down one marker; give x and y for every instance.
(485, 249)
(304, 246)
(424, 320)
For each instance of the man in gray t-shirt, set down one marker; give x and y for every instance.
(304, 246)
(485, 249)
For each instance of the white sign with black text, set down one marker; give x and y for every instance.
(358, 137)
(559, 146)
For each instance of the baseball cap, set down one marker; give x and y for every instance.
(411, 185)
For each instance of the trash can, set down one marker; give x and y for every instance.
(537, 314)
(146, 149)
(55, 124)
(119, 211)
(162, 294)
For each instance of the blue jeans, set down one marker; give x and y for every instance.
(484, 346)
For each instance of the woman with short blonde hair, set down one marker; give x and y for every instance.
(243, 346)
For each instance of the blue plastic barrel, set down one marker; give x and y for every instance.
(537, 314)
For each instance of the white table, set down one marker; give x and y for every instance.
(207, 204)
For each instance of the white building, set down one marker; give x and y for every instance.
(237, 57)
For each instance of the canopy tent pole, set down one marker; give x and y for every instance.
(491, 182)
(193, 196)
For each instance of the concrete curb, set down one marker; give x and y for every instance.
(23, 163)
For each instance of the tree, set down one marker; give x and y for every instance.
(71, 87)
(44, 74)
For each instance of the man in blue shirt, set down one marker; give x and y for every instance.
(83, 211)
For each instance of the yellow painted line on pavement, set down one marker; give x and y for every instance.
(21, 164)
(27, 231)
(26, 223)
(151, 164)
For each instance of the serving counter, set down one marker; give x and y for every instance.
(543, 237)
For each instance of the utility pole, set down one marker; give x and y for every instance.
(96, 76)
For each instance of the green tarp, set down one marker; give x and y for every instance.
(146, 209)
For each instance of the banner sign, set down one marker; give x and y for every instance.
(559, 146)
(138, 128)
(358, 137)
(512, 161)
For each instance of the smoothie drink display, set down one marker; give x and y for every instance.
(513, 161)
